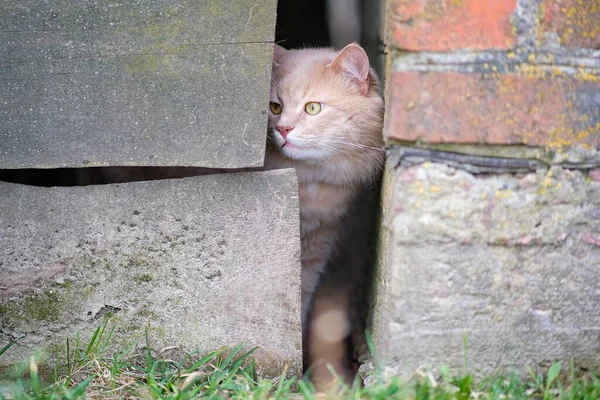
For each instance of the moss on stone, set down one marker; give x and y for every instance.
(146, 312)
(143, 278)
(34, 310)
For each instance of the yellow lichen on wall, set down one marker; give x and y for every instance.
(575, 22)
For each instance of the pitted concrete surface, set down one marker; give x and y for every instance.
(504, 267)
(205, 263)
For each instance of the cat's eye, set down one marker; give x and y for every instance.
(313, 108)
(276, 108)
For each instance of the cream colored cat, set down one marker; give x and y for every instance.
(325, 120)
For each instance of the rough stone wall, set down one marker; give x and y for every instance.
(491, 201)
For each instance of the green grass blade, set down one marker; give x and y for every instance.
(535, 379)
(226, 374)
(99, 339)
(237, 364)
(108, 339)
(34, 378)
(306, 391)
(79, 390)
(91, 343)
(18, 395)
(553, 373)
(81, 360)
(9, 345)
(232, 354)
(149, 361)
(284, 384)
(69, 370)
(203, 361)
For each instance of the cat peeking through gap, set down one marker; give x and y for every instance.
(325, 120)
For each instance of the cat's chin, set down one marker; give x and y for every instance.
(296, 152)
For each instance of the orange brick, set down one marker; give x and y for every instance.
(441, 25)
(575, 22)
(513, 108)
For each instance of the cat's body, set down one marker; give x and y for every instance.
(325, 121)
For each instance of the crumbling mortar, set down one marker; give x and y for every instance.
(469, 62)
(526, 22)
(408, 156)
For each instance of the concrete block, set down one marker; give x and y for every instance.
(205, 262)
(508, 261)
(148, 83)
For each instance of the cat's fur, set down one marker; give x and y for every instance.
(337, 154)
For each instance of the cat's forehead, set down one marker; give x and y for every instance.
(303, 72)
(298, 59)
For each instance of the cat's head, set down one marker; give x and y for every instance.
(325, 104)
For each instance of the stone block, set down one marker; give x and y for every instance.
(450, 24)
(571, 23)
(148, 83)
(508, 262)
(206, 262)
(525, 105)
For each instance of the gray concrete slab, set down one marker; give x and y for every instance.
(502, 268)
(151, 83)
(205, 262)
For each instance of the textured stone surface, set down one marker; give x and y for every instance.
(571, 23)
(508, 261)
(451, 24)
(528, 106)
(206, 262)
(96, 83)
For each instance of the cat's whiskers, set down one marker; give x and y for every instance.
(341, 146)
(342, 141)
(370, 149)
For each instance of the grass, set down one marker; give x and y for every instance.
(92, 371)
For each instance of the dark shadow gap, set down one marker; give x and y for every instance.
(68, 177)
(301, 24)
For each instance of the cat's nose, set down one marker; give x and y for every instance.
(284, 130)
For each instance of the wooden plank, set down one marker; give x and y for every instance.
(95, 83)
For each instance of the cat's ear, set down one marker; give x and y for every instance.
(353, 61)
(278, 53)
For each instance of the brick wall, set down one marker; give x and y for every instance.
(499, 72)
(492, 192)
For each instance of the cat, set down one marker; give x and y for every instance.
(325, 120)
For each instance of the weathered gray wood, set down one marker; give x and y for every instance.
(165, 253)
(94, 83)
